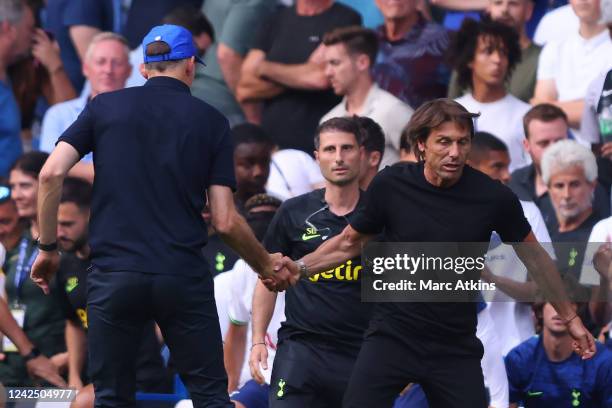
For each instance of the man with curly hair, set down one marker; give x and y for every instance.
(484, 55)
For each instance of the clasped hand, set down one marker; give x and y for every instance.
(282, 273)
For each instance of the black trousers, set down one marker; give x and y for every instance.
(119, 304)
(386, 364)
(309, 374)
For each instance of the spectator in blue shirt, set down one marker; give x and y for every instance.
(544, 372)
(16, 30)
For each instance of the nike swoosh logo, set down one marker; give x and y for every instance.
(606, 93)
(308, 237)
(534, 393)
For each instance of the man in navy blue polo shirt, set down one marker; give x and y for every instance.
(157, 152)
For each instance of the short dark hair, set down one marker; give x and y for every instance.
(372, 135)
(544, 112)
(431, 115)
(484, 142)
(250, 133)
(77, 191)
(339, 124)
(192, 19)
(30, 163)
(356, 39)
(159, 48)
(465, 41)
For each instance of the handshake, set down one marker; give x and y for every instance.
(280, 273)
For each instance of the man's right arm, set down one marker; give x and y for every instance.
(235, 232)
(348, 244)
(251, 87)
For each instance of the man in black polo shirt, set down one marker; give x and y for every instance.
(438, 199)
(319, 341)
(157, 152)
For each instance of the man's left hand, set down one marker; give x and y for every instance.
(43, 269)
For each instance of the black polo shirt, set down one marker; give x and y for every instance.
(156, 150)
(326, 307)
(523, 185)
(405, 207)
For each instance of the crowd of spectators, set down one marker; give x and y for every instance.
(539, 72)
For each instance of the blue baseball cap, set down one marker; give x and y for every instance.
(179, 40)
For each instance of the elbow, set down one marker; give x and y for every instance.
(51, 175)
(226, 224)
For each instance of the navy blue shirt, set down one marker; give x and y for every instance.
(156, 149)
(535, 381)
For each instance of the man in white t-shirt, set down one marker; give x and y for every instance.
(556, 25)
(566, 67)
(484, 54)
(293, 173)
(349, 55)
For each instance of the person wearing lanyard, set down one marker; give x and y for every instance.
(11, 229)
(39, 316)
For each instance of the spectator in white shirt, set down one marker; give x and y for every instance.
(349, 55)
(566, 67)
(106, 66)
(484, 55)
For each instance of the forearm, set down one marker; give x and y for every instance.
(76, 344)
(49, 193)
(309, 76)
(263, 308)
(253, 89)
(233, 353)
(10, 328)
(81, 36)
(342, 247)
(544, 273)
(519, 291)
(230, 63)
(61, 87)
(241, 239)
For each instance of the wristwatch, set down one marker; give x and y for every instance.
(302, 268)
(35, 352)
(47, 247)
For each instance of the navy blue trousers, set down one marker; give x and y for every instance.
(119, 304)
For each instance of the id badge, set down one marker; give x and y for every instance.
(18, 312)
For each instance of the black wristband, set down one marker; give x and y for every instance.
(47, 247)
(35, 352)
